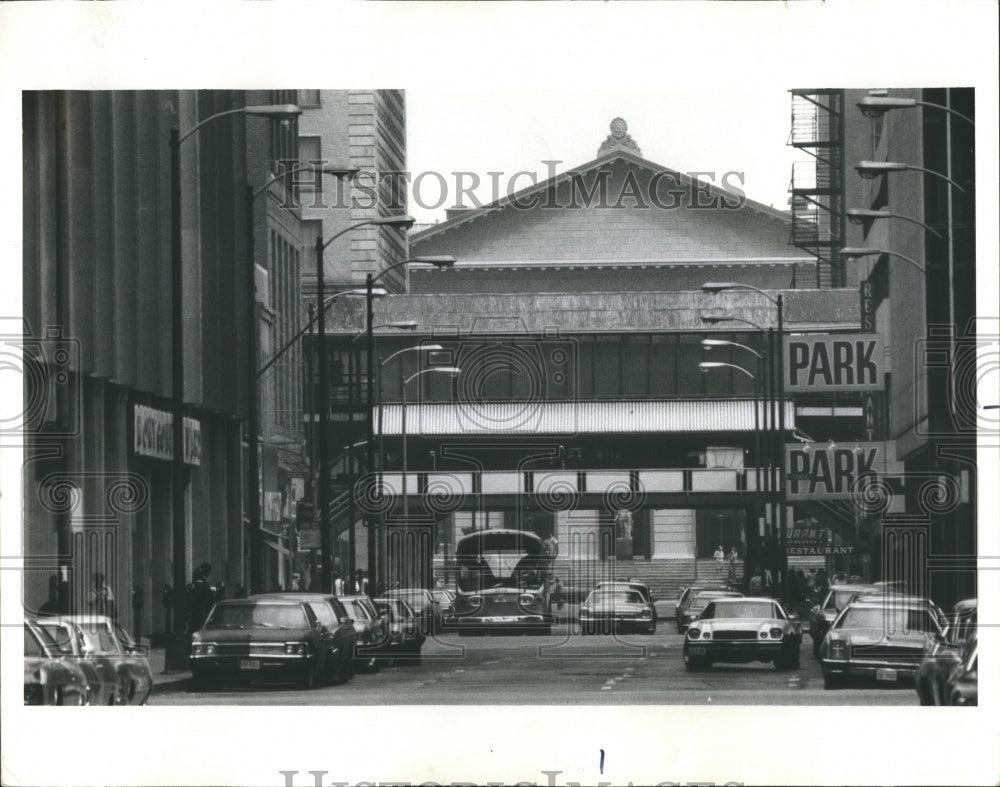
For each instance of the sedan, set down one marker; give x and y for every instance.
(103, 679)
(612, 610)
(259, 638)
(48, 678)
(944, 652)
(639, 587)
(121, 664)
(425, 605)
(405, 639)
(342, 638)
(742, 630)
(880, 637)
(695, 602)
(371, 627)
(823, 614)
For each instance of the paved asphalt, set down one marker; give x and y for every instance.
(564, 668)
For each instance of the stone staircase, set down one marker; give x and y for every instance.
(665, 577)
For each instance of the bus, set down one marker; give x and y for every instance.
(503, 583)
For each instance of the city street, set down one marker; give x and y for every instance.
(560, 669)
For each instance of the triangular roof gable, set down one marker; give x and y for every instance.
(520, 197)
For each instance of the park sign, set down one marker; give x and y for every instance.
(826, 471)
(834, 362)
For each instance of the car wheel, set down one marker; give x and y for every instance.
(307, 680)
(336, 671)
(696, 663)
(832, 680)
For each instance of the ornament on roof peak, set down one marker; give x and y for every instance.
(619, 138)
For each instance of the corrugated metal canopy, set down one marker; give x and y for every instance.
(560, 418)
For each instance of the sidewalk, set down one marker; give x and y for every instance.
(163, 681)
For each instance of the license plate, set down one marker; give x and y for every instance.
(885, 674)
(249, 663)
(697, 650)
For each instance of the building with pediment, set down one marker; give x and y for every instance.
(576, 314)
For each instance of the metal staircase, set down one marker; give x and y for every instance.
(817, 185)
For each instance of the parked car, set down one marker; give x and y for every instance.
(944, 653)
(371, 627)
(822, 615)
(105, 682)
(342, 638)
(259, 639)
(405, 639)
(962, 686)
(630, 584)
(427, 608)
(880, 637)
(120, 660)
(48, 678)
(695, 602)
(743, 630)
(614, 610)
(446, 598)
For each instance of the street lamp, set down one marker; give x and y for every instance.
(778, 301)
(404, 222)
(439, 261)
(876, 106)
(373, 572)
(872, 169)
(253, 466)
(861, 215)
(403, 382)
(855, 252)
(178, 471)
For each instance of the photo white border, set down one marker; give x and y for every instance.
(839, 43)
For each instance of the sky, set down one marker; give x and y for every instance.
(715, 130)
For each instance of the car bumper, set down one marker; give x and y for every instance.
(884, 670)
(251, 667)
(739, 650)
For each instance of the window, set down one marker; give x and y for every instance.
(309, 99)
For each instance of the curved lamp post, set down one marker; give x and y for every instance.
(403, 382)
(178, 471)
(441, 261)
(855, 252)
(253, 462)
(861, 215)
(876, 106)
(872, 169)
(373, 563)
(778, 301)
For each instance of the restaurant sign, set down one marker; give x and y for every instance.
(153, 435)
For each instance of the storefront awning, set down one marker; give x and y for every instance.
(561, 418)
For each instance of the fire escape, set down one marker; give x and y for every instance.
(817, 185)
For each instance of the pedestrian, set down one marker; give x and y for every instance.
(734, 556)
(338, 584)
(756, 583)
(101, 600)
(720, 561)
(202, 597)
(558, 595)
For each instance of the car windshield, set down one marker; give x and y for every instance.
(253, 616)
(702, 600)
(32, 647)
(356, 609)
(742, 609)
(99, 639)
(57, 637)
(888, 619)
